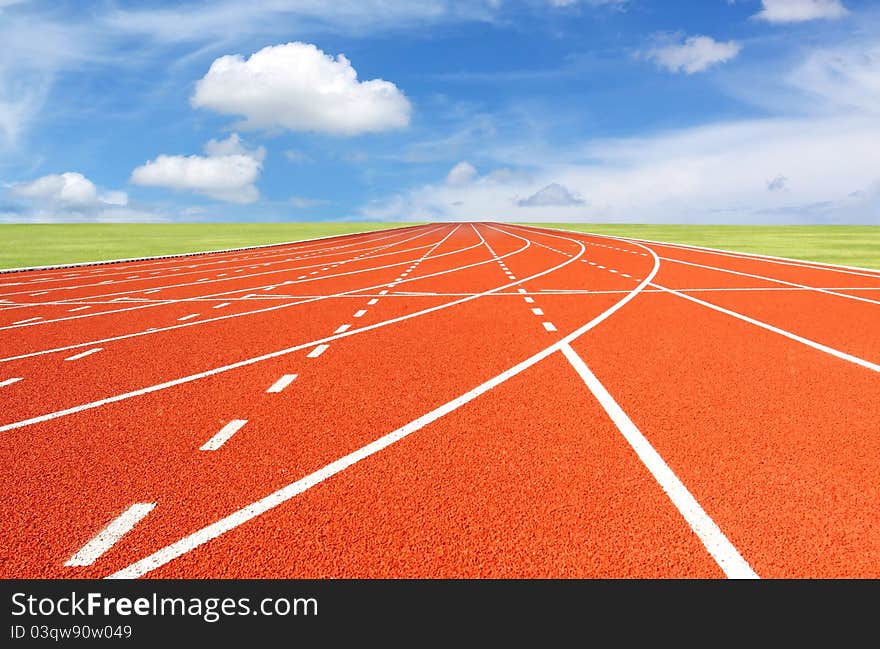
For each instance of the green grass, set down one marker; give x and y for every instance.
(835, 244)
(48, 244)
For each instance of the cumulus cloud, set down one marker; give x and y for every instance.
(70, 189)
(298, 87)
(695, 54)
(793, 11)
(554, 195)
(461, 174)
(227, 173)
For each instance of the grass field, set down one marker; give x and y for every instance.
(46, 244)
(834, 244)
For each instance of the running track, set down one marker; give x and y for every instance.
(446, 400)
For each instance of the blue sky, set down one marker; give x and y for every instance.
(693, 111)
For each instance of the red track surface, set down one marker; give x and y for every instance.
(505, 402)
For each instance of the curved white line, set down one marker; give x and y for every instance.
(250, 264)
(241, 516)
(284, 352)
(79, 300)
(191, 254)
(276, 307)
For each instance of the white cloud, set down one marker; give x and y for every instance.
(695, 54)
(461, 174)
(233, 146)
(298, 87)
(710, 174)
(70, 189)
(793, 11)
(553, 195)
(227, 173)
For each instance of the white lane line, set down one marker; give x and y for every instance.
(155, 290)
(317, 351)
(549, 326)
(372, 302)
(782, 332)
(3, 384)
(221, 305)
(342, 329)
(529, 300)
(718, 545)
(255, 509)
(625, 275)
(521, 290)
(282, 383)
(611, 270)
(189, 317)
(537, 311)
(40, 293)
(771, 279)
(383, 292)
(360, 313)
(88, 352)
(282, 352)
(110, 535)
(28, 320)
(223, 435)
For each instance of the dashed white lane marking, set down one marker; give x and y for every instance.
(529, 300)
(625, 275)
(360, 313)
(521, 290)
(611, 270)
(40, 293)
(3, 384)
(372, 302)
(537, 311)
(714, 540)
(282, 383)
(221, 305)
(342, 329)
(189, 317)
(223, 435)
(602, 267)
(155, 290)
(317, 351)
(108, 537)
(549, 326)
(383, 292)
(88, 352)
(28, 320)
(302, 276)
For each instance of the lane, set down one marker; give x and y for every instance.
(278, 441)
(771, 439)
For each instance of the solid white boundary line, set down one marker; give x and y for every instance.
(817, 289)
(254, 312)
(817, 265)
(202, 536)
(716, 543)
(108, 537)
(782, 332)
(202, 252)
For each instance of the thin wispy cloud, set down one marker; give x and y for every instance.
(796, 11)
